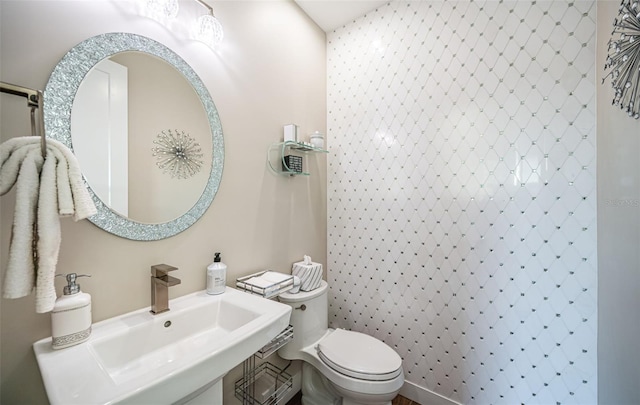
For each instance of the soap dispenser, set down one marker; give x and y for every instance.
(71, 315)
(216, 276)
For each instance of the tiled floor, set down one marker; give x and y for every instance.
(399, 400)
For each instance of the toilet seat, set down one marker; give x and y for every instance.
(359, 356)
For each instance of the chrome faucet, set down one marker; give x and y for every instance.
(160, 283)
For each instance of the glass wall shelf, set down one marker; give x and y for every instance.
(281, 149)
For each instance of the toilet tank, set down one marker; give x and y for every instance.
(309, 324)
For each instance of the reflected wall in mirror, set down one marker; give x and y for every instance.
(112, 127)
(119, 109)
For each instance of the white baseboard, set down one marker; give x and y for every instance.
(423, 396)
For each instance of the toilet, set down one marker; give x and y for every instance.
(340, 366)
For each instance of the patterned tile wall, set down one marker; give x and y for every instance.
(462, 206)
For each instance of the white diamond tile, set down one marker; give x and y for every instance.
(461, 194)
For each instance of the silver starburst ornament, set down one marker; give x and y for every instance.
(178, 154)
(623, 59)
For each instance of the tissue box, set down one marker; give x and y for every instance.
(310, 275)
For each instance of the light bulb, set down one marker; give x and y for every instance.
(163, 9)
(208, 29)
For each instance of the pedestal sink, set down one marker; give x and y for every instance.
(140, 358)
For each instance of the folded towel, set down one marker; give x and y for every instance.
(10, 161)
(49, 237)
(268, 283)
(65, 195)
(45, 189)
(275, 277)
(82, 202)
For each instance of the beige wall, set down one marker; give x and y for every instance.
(270, 72)
(618, 237)
(172, 106)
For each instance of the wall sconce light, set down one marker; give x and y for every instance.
(207, 28)
(624, 58)
(162, 10)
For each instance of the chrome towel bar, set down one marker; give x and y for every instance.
(35, 100)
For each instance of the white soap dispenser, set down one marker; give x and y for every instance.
(71, 315)
(216, 276)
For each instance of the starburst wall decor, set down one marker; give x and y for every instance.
(178, 154)
(623, 59)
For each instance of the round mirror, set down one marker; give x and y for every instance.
(144, 129)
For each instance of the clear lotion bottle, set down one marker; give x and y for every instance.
(71, 315)
(216, 276)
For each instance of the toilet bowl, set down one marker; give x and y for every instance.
(342, 366)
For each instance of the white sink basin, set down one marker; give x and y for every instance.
(141, 358)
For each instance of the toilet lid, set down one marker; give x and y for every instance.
(360, 356)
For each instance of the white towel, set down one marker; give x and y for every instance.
(45, 189)
(65, 195)
(82, 202)
(49, 237)
(10, 160)
(268, 283)
(259, 282)
(20, 277)
(275, 277)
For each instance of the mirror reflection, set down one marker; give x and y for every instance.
(142, 137)
(168, 112)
